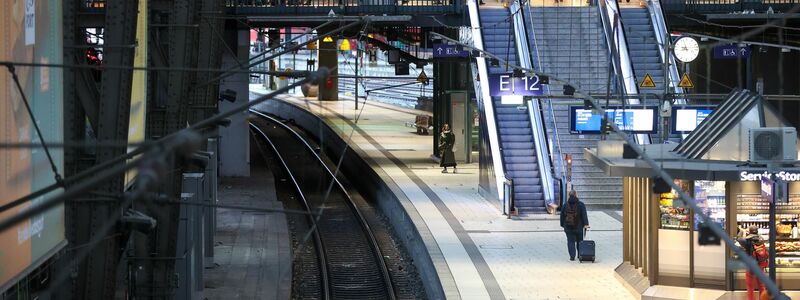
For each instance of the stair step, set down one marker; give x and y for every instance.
(524, 174)
(522, 159)
(516, 138)
(517, 145)
(522, 167)
(518, 152)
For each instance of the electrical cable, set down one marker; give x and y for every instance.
(316, 77)
(12, 70)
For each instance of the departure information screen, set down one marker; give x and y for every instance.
(637, 119)
(686, 119)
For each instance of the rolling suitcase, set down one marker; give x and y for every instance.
(586, 250)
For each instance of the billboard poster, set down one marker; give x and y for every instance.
(30, 31)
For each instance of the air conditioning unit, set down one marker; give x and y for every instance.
(773, 144)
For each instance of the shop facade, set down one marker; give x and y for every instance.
(660, 234)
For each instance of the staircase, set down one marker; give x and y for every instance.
(513, 123)
(571, 45)
(643, 47)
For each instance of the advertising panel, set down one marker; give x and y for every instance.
(686, 119)
(636, 119)
(30, 31)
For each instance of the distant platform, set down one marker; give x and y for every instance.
(478, 253)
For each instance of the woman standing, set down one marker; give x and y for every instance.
(446, 142)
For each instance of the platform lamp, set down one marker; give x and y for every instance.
(570, 90)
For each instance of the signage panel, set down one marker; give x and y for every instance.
(506, 85)
(756, 176)
(445, 50)
(686, 119)
(731, 52)
(636, 119)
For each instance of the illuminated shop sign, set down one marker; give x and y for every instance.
(782, 175)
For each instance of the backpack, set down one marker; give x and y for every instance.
(572, 215)
(760, 254)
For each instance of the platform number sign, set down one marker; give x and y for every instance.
(507, 84)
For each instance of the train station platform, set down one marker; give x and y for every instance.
(478, 253)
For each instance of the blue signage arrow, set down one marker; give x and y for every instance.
(445, 50)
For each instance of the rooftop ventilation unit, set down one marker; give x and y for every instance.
(773, 144)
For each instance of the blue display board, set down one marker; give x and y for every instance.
(631, 119)
(686, 119)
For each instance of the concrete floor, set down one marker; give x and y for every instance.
(252, 254)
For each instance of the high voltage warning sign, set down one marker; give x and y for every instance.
(686, 82)
(648, 81)
(422, 78)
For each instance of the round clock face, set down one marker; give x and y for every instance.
(686, 49)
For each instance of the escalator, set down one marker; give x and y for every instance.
(569, 42)
(516, 142)
(643, 47)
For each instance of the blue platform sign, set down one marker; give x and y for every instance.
(445, 50)
(731, 52)
(506, 85)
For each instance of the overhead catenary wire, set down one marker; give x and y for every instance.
(56, 174)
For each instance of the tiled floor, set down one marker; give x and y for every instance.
(526, 258)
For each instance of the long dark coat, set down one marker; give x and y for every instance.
(446, 142)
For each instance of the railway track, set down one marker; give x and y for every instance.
(349, 260)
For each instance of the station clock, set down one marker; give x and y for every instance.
(686, 49)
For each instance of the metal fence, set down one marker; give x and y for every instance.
(727, 6)
(345, 7)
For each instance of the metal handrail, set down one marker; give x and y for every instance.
(618, 44)
(661, 31)
(559, 169)
(482, 95)
(533, 106)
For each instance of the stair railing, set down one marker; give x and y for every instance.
(482, 95)
(618, 46)
(534, 113)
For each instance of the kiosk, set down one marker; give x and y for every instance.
(660, 248)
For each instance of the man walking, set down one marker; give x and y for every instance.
(574, 220)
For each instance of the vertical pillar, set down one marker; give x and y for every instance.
(329, 57)
(234, 140)
(274, 41)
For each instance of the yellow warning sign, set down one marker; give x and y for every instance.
(345, 46)
(686, 82)
(327, 39)
(422, 78)
(648, 81)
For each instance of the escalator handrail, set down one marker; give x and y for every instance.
(661, 32)
(482, 93)
(523, 52)
(618, 44)
(537, 65)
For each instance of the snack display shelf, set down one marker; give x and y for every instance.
(671, 226)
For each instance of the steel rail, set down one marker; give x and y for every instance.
(361, 220)
(321, 257)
